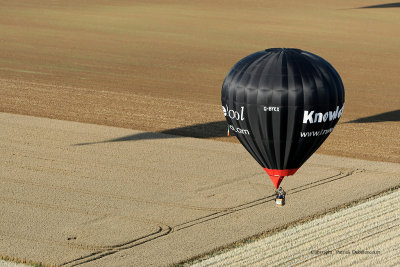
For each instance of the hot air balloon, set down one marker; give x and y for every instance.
(282, 104)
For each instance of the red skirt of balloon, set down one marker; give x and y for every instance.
(278, 175)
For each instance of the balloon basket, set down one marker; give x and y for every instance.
(280, 197)
(280, 202)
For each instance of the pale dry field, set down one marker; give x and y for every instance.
(364, 235)
(159, 65)
(92, 195)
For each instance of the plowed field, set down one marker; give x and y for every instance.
(159, 65)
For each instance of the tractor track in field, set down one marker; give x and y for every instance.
(166, 230)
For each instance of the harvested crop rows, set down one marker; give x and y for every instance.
(366, 234)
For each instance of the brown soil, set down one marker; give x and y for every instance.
(159, 65)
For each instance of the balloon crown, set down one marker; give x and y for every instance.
(283, 50)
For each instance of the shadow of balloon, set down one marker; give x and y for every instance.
(387, 116)
(204, 130)
(388, 5)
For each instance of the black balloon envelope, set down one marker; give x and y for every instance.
(282, 104)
